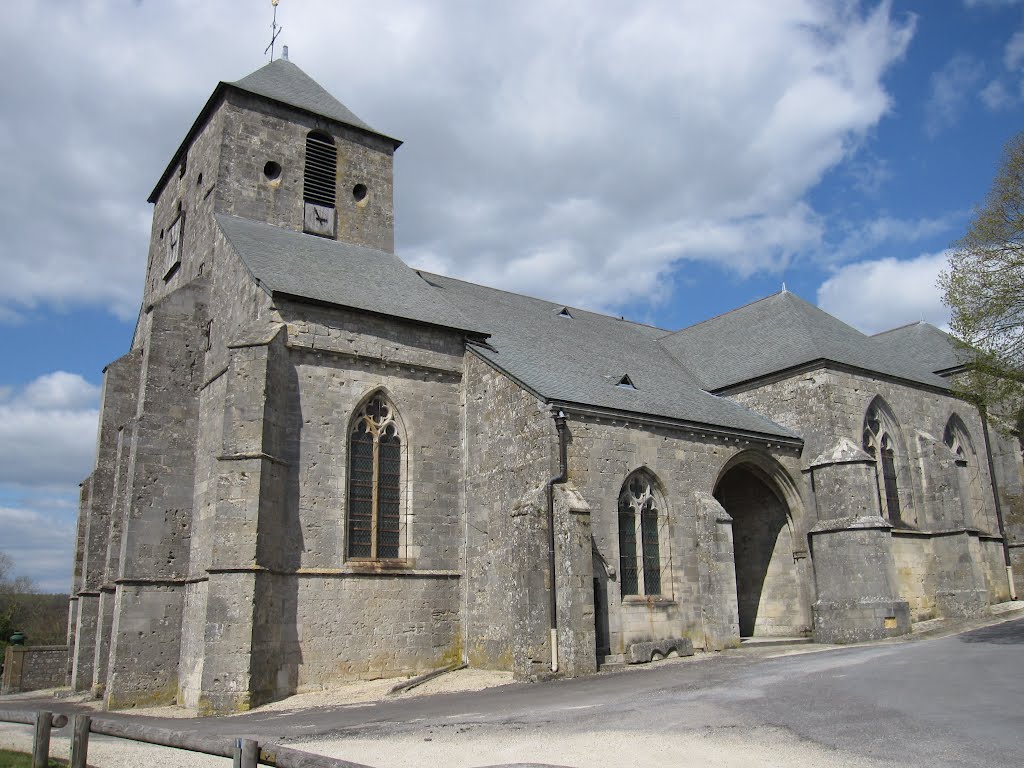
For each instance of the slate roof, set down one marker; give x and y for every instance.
(930, 347)
(282, 81)
(580, 359)
(296, 264)
(781, 332)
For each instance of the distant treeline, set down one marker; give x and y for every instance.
(43, 618)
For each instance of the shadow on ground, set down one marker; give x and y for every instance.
(1009, 633)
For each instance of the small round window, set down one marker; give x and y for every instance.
(272, 170)
(359, 193)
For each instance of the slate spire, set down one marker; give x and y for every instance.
(283, 81)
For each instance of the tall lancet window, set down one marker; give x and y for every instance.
(641, 517)
(375, 483)
(319, 184)
(882, 442)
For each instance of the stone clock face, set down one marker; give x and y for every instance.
(172, 242)
(318, 220)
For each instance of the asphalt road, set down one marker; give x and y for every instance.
(946, 701)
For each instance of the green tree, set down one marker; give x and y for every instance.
(984, 288)
(11, 604)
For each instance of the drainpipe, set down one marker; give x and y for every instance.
(999, 507)
(561, 477)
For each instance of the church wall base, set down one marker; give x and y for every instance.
(857, 621)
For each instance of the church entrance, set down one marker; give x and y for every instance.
(602, 633)
(767, 583)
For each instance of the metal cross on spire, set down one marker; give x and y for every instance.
(275, 31)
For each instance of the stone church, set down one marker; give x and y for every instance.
(317, 464)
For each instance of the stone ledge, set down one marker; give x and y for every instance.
(866, 522)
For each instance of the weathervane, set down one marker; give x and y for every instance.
(275, 31)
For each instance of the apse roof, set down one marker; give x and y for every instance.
(780, 332)
(930, 347)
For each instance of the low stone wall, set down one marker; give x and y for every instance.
(32, 667)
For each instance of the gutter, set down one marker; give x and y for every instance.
(995, 498)
(559, 479)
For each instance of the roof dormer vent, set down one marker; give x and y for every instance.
(564, 312)
(625, 382)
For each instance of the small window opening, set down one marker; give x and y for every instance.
(199, 179)
(359, 192)
(272, 170)
(626, 383)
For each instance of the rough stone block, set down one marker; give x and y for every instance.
(644, 653)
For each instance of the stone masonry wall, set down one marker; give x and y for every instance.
(33, 667)
(154, 558)
(687, 464)
(510, 448)
(257, 132)
(938, 495)
(190, 193)
(825, 404)
(287, 608)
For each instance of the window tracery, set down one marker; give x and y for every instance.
(881, 442)
(375, 483)
(640, 571)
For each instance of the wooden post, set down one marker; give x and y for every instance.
(41, 740)
(80, 741)
(246, 753)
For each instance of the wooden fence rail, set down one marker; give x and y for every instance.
(43, 722)
(246, 753)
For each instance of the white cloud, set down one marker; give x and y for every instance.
(995, 96)
(886, 231)
(40, 540)
(951, 87)
(877, 295)
(991, 3)
(548, 138)
(48, 432)
(1013, 54)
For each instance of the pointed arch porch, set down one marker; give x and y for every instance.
(769, 545)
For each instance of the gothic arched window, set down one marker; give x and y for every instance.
(882, 441)
(375, 483)
(641, 517)
(958, 440)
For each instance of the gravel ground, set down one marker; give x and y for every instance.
(461, 747)
(468, 745)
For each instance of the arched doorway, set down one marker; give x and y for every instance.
(768, 588)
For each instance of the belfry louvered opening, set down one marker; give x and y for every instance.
(321, 164)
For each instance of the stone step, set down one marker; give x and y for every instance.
(762, 642)
(611, 662)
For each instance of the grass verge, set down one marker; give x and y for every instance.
(10, 759)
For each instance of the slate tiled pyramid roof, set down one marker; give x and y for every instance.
(582, 357)
(930, 347)
(283, 81)
(781, 332)
(296, 264)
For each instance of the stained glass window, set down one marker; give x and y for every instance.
(375, 484)
(639, 518)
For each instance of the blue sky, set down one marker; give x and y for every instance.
(662, 160)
